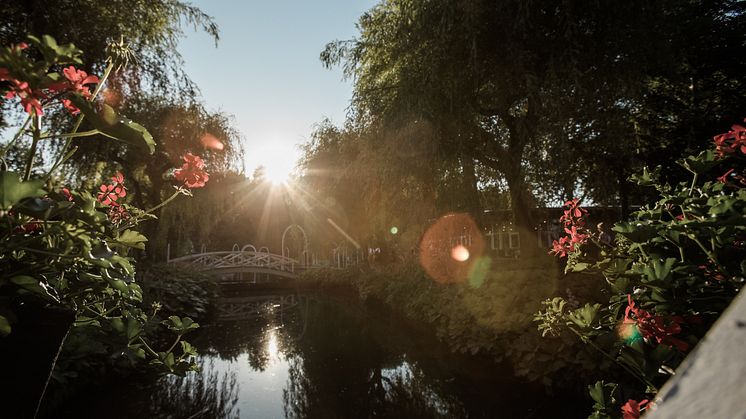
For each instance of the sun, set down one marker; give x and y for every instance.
(276, 160)
(278, 171)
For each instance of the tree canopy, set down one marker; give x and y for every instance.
(549, 99)
(152, 28)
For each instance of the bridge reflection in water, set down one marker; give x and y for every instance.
(256, 306)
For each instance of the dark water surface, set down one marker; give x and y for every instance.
(297, 355)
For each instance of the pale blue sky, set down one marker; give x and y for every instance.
(266, 70)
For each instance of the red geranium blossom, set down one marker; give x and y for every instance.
(67, 194)
(117, 214)
(562, 247)
(724, 178)
(633, 409)
(732, 141)
(573, 213)
(572, 218)
(192, 173)
(76, 82)
(109, 194)
(30, 98)
(654, 327)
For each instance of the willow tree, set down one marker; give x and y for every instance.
(536, 91)
(152, 28)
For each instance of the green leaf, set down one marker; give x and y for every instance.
(647, 178)
(115, 126)
(54, 53)
(4, 326)
(13, 190)
(187, 348)
(584, 316)
(133, 239)
(117, 324)
(578, 267)
(702, 163)
(636, 233)
(133, 328)
(33, 285)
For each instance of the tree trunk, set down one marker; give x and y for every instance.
(524, 222)
(471, 192)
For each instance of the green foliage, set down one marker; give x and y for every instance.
(108, 123)
(179, 292)
(672, 270)
(67, 249)
(13, 190)
(152, 27)
(536, 100)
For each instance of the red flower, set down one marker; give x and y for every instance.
(562, 247)
(30, 99)
(632, 409)
(192, 173)
(572, 218)
(67, 194)
(724, 178)
(732, 141)
(109, 194)
(654, 327)
(68, 104)
(117, 214)
(76, 82)
(28, 228)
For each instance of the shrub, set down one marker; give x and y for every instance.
(672, 269)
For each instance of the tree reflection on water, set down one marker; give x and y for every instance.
(345, 367)
(206, 394)
(335, 357)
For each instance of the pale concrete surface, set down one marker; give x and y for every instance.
(711, 382)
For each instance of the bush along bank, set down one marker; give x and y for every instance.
(85, 361)
(494, 319)
(671, 270)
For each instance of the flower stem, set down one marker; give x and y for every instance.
(694, 183)
(135, 221)
(62, 157)
(169, 199)
(16, 137)
(36, 130)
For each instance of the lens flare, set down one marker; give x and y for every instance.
(450, 248)
(629, 332)
(111, 97)
(460, 253)
(479, 270)
(211, 143)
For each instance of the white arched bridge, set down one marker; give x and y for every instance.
(240, 261)
(234, 264)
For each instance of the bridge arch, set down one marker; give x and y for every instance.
(297, 233)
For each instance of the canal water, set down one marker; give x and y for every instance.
(292, 355)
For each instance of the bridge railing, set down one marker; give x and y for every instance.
(237, 259)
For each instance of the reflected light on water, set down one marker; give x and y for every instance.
(272, 349)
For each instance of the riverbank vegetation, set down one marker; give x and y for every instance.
(494, 320)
